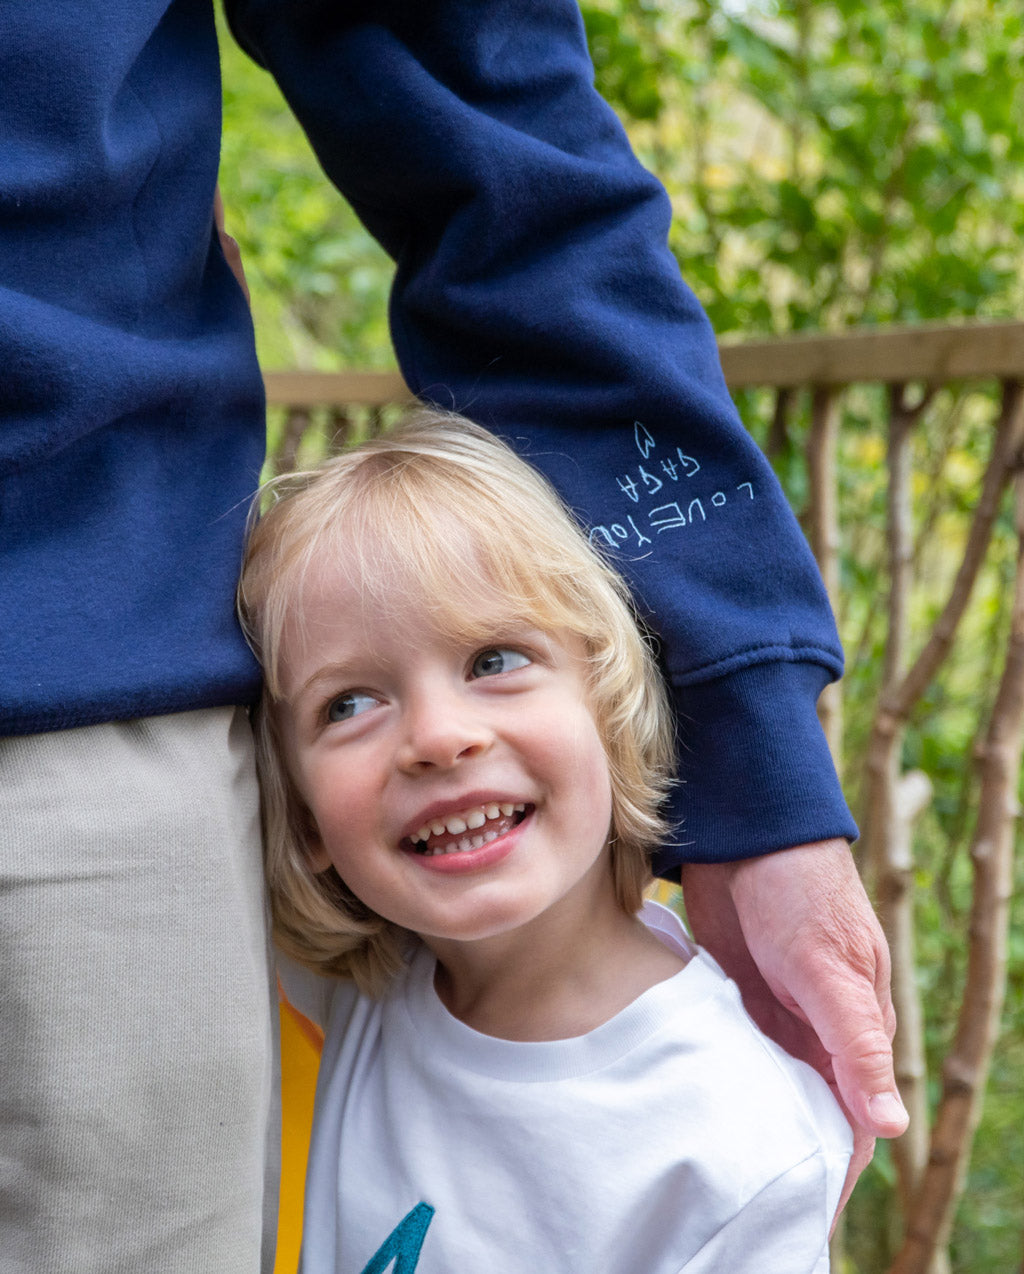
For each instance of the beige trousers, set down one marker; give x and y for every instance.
(136, 1051)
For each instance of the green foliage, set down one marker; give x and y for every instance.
(319, 283)
(630, 63)
(836, 163)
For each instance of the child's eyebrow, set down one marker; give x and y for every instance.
(328, 672)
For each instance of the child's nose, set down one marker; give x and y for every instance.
(441, 734)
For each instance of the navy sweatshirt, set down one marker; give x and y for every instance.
(534, 291)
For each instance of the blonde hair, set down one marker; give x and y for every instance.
(447, 510)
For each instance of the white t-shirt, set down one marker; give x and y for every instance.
(675, 1137)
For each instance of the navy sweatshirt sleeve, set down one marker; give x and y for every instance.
(536, 293)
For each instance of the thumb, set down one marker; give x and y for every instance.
(857, 1033)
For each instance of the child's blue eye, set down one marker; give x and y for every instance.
(501, 659)
(349, 705)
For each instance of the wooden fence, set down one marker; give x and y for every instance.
(923, 427)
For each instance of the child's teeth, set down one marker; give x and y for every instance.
(467, 821)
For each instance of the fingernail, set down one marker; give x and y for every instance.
(886, 1108)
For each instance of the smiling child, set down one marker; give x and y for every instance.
(464, 745)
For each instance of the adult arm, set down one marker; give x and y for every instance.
(536, 292)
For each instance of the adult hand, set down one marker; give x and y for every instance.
(797, 932)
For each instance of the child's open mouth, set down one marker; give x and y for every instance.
(466, 830)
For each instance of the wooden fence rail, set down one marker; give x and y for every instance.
(924, 426)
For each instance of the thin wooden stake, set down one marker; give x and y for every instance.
(823, 531)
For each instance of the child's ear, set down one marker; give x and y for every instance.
(316, 855)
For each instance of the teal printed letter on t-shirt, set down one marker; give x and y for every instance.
(403, 1243)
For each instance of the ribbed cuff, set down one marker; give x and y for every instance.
(756, 773)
